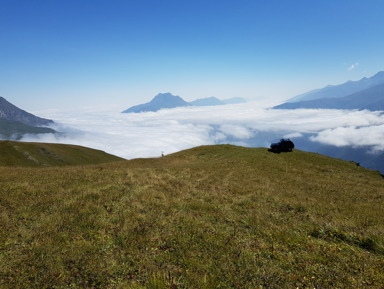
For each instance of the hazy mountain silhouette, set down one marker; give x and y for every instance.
(341, 90)
(371, 99)
(367, 93)
(160, 101)
(210, 101)
(168, 100)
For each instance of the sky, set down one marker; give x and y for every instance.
(81, 54)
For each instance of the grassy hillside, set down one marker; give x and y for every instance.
(26, 154)
(209, 217)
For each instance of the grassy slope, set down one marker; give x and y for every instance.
(215, 216)
(42, 154)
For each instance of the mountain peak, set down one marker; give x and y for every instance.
(8, 111)
(165, 94)
(165, 97)
(160, 101)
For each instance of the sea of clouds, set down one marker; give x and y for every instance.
(150, 134)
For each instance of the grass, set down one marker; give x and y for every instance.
(209, 217)
(27, 154)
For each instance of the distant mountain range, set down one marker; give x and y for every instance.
(168, 100)
(367, 93)
(210, 101)
(15, 122)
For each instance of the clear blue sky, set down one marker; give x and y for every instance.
(73, 53)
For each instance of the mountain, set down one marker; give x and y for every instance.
(24, 154)
(371, 98)
(213, 101)
(210, 101)
(8, 111)
(15, 122)
(160, 101)
(362, 94)
(15, 130)
(208, 217)
(347, 88)
(168, 100)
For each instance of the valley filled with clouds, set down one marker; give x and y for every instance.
(167, 131)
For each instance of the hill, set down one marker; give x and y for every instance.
(367, 93)
(160, 101)
(23, 154)
(208, 217)
(8, 111)
(364, 155)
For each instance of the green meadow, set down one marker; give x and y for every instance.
(209, 217)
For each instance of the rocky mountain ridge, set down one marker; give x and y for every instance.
(9, 111)
(15, 122)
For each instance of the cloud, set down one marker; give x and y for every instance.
(171, 130)
(293, 135)
(236, 131)
(353, 136)
(353, 66)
